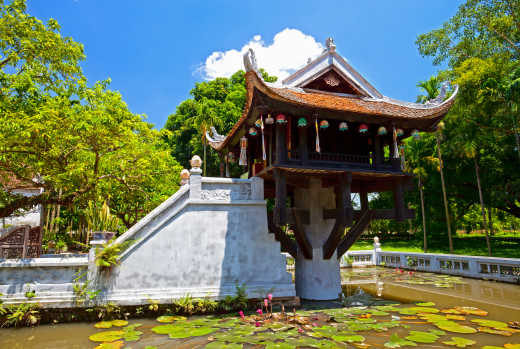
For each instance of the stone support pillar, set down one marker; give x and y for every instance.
(317, 278)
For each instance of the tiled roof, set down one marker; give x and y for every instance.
(384, 107)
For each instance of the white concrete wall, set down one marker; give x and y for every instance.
(212, 237)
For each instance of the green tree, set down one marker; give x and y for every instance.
(80, 143)
(217, 103)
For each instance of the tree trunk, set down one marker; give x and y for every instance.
(425, 243)
(444, 193)
(490, 220)
(488, 243)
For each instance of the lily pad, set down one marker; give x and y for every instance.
(170, 318)
(222, 345)
(471, 311)
(426, 304)
(452, 326)
(416, 310)
(422, 337)
(107, 336)
(460, 342)
(397, 342)
(348, 338)
(494, 331)
(109, 324)
(512, 346)
(279, 345)
(490, 323)
(191, 332)
(112, 345)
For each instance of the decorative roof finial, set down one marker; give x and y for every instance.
(331, 47)
(250, 61)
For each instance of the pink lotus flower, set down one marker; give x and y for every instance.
(410, 272)
(241, 313)
(270, 297)
(266, 303)
(300, 330)
(257, 324)
(259, 311)
(314, 324)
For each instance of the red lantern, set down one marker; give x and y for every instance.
(363, 128)
(280, 119)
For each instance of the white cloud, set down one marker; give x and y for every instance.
(289, 51)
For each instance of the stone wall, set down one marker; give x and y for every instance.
(51, 279)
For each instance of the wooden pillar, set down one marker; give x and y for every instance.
(280, 210)
(378, 145)
(363, 197)
(391, 147)
(398, 200)
(344, 214)
(303, 149)
(281, 146)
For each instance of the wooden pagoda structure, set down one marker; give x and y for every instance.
(326, 123)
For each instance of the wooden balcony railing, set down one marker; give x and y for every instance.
(338, 159)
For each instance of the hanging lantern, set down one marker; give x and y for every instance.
(302, 122)
(258, 123)
(400, 132)
(324, 124)
(363, 128)
(269, 119)
(416, 135)
(280, 119)
(231, 157)
(382, 131)
(243, 152)
(252, 131)
(343, 126)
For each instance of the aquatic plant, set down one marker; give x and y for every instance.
(15, 315)
(107, 256)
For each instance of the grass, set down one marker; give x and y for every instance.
(467, 245)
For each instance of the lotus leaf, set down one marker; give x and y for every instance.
(119, 323)
(113, 345)
(422, 337)
(460, 342)
(103, 324)
(455, 317)
(324, 331)
(222, 345)
(191, 332)
(150, 347)
(107, 336)
(433, 317)
(493, 331)
(471, 311)
(170, 318)
(452, 326)
(302, 341)
(416, 310)
(491, 347)
(426, 304)
(348, 338)
(279, 345)
(490, 323)
(397, 342)
(512, 346)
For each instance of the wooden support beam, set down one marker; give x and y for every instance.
(303, 243)
(287, 244)
(280, 209)
(343, 214)
(354, 232)
(303, 148)
(363, 197)
(399, 200)
(376, 214)
(281, 145)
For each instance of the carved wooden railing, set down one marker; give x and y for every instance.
(21, 242)
(353, 159)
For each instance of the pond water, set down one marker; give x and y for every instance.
(382, 308)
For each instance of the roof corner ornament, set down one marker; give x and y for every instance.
(250, 61)
(331, 47)
(217, 138)
(441, 96)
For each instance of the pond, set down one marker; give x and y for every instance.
(382, 308)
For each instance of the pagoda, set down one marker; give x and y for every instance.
(322, 135)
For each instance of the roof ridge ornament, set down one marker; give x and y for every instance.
(331, 47)
(217, 138)
(250, 61)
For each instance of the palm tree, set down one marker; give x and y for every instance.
(205, 118)
(432, 89)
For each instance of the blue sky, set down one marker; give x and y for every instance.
(155, 51)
